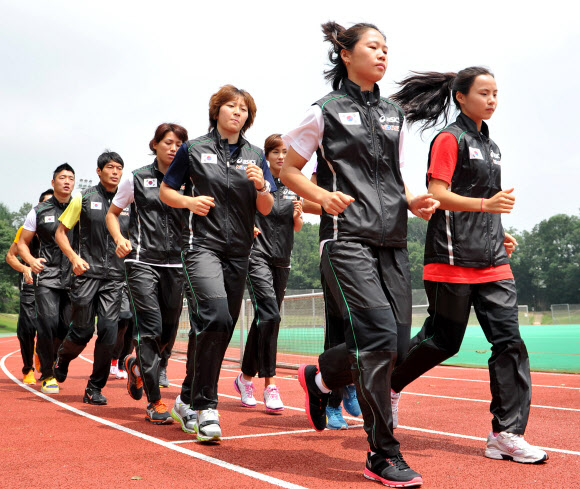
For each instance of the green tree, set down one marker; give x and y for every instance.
(8, 276)
(19, 216)
(304, 273)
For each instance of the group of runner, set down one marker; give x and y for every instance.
(191, 227)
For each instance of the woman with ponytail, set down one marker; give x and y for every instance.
(356, 135)
(467, 252)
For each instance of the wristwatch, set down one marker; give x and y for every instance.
(265, 188)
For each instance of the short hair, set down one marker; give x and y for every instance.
(63, 167)
(271, 143)
(107, 156)
(163, 129)
(44, 194)
(226, 94)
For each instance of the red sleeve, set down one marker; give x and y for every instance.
(443, 157)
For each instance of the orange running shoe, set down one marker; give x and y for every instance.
(29, 377)
(157, 413)
(134, 381)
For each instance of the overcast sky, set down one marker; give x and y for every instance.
(79, 77)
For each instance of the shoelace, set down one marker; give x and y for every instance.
(160, 406)
(249, 389)
(273, 393)
(399, 462)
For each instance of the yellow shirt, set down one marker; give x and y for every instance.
(17, 237)
(72, 213)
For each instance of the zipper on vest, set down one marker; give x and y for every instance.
(228, 156)
(377, 171)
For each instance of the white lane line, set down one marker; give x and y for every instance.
(487, 401)
(292, 432)
(157, 441)
(480, 368)
(487, 382)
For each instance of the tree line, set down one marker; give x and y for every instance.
(546, 264)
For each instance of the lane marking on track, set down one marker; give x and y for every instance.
(480, 368)
(487, 382)
(291, 432)
(487, 401)
(157, 441)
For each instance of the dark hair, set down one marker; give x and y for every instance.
(107, 156)
(426, 96)
(272, 142)
(163, 129)
(226, 94)
(63, 167)
(342, 38)
(44, 194)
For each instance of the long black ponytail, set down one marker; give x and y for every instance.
(425, 97)
(342, 38)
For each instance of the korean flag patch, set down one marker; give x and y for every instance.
(97, 205)
(48, 218)
(208, 158)
(475, 154)
(150, 182)
(349, 118)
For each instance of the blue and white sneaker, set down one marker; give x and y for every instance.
(334, 419)
(350, 401)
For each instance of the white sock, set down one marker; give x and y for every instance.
(319, 384)
(244, 381)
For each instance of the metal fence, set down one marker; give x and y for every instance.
(565, 313)
(301, 336)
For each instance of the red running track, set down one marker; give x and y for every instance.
(59, 442)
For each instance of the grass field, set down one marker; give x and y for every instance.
(8, 323)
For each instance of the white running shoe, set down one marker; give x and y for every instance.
(121, 374)
(208, 425)
(246, 392)
(272, 400)
(509, 446)
(186, 416)
(395, 407)
(114, 370)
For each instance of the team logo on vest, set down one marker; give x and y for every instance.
(288, 194)
(48, 218)
(495, 157)
(96, 205)
(208, 158)
(150, 182)
(242, 164)
(475, 154)
(349, 118)
(390, 127)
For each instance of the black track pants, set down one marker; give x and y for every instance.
(124, 342)
(495, 305)
(90, 297)
(156, 295)
(214, 289)
(53, 313)
(26, 328)
(372, 289)
(266, 286)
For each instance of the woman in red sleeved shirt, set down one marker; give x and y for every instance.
(466, 261)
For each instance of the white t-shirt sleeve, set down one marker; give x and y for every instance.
(30, 222)
(404, 130)
(307, 137)
(125, 193)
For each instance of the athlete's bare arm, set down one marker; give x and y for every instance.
(14, 262)
(79, 265)
(501, 203)
(112, 220)
(36, 264)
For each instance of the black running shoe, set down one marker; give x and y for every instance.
(134, 382)
(391, 471)
(60, 370)
(94, 396)
(157, 413)
(316, 401)
(163, 380)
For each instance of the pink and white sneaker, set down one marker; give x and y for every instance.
(509, 446)
(246, 391)
(272, 400)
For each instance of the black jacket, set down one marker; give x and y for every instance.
(276, 239)
(154, 227)
(469, 239)
(92, 240)
(57, 270)
(360, 157)
(228, 228)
